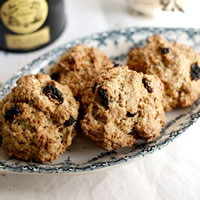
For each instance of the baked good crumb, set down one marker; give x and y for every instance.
(122, 105)
(37, 119)
(79, 65)
(177, 66)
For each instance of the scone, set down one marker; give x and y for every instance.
(176, 65)
(79, 65)
(38, 119)
(121, 106)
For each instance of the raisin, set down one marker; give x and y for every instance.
(71, 60)
(195, 72)
(69, 122)
(132, 131)
(128, 114)
(52, 92)
(94, 87)
(146, 85)
(55, 76)
(12, 112)
(76, 98)
(165, 50)
(116, 65)
(103, 96)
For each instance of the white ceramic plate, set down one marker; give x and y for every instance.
(84, 156)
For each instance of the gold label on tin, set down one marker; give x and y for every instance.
(24, 16)
(28, 41)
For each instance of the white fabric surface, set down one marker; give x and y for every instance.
(171, 173)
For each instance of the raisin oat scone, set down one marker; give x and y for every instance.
(175, 64)
(121, 105)
(79, 65)
(38, 119)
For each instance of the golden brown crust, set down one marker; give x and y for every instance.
(173, 67)
(121, 105)
(79, 65)
(37, 131)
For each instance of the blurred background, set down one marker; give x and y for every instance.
(85, 17)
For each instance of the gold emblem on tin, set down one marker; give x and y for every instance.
(24, 16)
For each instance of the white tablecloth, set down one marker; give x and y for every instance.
(171, 173)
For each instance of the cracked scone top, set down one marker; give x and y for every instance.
(122, 105)
(79, 65)
(38, 119)
(176, 65)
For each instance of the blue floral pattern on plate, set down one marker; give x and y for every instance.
(84, 156)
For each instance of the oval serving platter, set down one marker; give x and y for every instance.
(83, 156)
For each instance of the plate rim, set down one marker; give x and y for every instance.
(99, 166)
